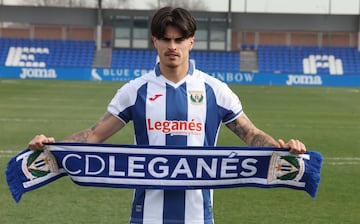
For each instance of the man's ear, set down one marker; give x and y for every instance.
(153, 39)
(192, 41)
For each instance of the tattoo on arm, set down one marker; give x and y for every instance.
(262, 140)
(250, 134)
(104, 118)
(83, 136)
(239, 130)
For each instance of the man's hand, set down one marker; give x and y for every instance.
(37, 143)
(295, 146)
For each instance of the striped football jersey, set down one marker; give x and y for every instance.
(187, 113)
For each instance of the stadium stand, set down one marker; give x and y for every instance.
(46, 52)
(308, 59)
(133, 58)
(270, 58)
(216, 60)
(205, 60)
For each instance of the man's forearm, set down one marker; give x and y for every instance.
(251, 135)
(81, 136)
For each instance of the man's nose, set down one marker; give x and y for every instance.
(172, 45)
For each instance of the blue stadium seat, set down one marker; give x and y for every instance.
(52, 52)
(205, 60)
(289, 59)
(133, 59)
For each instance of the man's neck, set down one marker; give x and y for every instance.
(174, 74)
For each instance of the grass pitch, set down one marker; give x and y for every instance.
(326, 119)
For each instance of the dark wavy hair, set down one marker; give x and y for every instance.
(176, 17)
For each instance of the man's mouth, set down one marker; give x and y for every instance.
(171, 55)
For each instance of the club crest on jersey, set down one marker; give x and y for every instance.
(285, 168)
(196, 97)
(39, 164)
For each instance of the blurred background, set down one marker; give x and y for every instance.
(262, 36)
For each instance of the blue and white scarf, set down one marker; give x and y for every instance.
(163, 167)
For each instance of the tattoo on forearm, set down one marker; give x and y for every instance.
(250, 134)
(83, 136)
(102, 119)
(262, 140)
(239, 130)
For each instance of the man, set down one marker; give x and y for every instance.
(175, 104)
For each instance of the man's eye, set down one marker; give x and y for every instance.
(179, 39)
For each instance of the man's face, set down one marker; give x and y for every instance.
(173, 49)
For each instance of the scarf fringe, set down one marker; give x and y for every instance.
(313, 174)
(14, 180)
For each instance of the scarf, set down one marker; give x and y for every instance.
(163, 167)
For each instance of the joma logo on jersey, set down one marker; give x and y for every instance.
(155, 97)
(175, 127)
(39, 164)
(196, 97)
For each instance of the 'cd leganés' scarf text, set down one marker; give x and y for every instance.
(163, 167)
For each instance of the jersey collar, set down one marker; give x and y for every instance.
(190, 72)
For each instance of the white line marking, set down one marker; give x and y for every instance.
(342, 161)
(6, 152)
(343, 158)
(36, 120)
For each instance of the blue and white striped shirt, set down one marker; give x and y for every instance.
(187, 113)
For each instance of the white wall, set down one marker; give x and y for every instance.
(343, 7)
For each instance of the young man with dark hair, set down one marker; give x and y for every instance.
(171, 97)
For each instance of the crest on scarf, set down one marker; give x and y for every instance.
(285, 168)
(39, 164)
(196, 97)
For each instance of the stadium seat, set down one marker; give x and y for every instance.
(208, 61)
(271, 58)
(41, 52)
(133, 59)
(308, 59)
